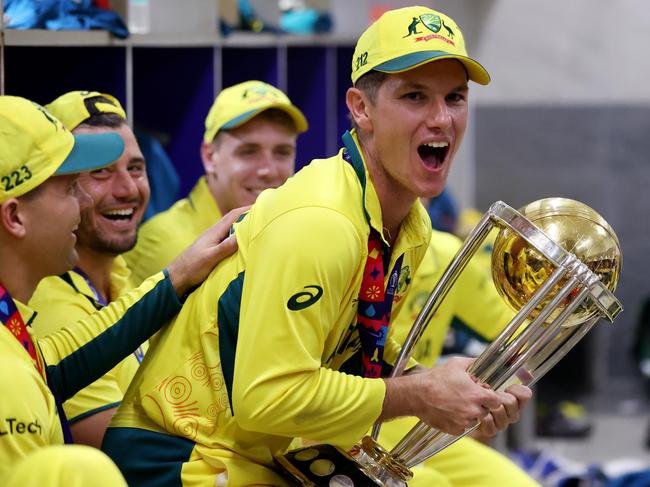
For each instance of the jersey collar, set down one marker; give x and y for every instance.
(203, 203)
(416, 227)
(27, 313)
(371, 205)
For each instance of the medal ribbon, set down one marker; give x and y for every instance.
(375, 305)
(13, 321)
(11, 318)
(375, 298)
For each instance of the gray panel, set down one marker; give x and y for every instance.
(598, 155)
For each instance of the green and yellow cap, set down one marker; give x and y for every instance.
(239, 103)
(71, 107)
(35, 145)
(406, 38)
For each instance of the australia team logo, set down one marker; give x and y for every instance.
(255, 94)
(435, 24)
(432, 22)
(404, 279)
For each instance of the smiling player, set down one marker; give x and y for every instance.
(289, 337)
(40, 202)
(249, 145)
(108, 226)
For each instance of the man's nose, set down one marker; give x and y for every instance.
(124, 185)
(439, 115)
(267, 167)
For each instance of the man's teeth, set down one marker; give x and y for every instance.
(437, 144)
(127, 212)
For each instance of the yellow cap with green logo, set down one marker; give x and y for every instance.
(35, 145)
(406, 38)
(239, 103)
(71, 107)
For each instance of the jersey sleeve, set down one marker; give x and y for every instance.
(80, 353)
(29, 419)
(294, 288)
(59, 304)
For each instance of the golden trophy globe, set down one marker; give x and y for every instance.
(556, 262)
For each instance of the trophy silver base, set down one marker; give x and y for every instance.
(327, 466)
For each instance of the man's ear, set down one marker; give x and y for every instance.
(358, 104)
(12, 218)
(207, 152)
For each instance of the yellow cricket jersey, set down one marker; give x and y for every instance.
(166, 235)
(74, 356)
(60, 300)
(254, 358)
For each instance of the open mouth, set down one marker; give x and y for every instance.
(119, 215)
(433, 154)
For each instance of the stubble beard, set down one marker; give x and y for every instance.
(96, 241)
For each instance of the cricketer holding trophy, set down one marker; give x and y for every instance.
(556, 262)
(289, 337)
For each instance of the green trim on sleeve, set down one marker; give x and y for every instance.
(228, 314)
(91, 412)
(117, 341)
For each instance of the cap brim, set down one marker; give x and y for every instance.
(92, 151)
(296, 115)
(475, 71)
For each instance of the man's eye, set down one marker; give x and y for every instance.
(416, 96)
(100, 173)
(456, 97)
(284, 152)
(247, 150)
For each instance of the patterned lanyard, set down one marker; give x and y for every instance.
(375, 305)
(375, 298)
(11, 318)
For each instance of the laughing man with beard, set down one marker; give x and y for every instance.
(120, 194)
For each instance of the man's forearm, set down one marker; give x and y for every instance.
(79, 354)
(401, 397)
(445, 397)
